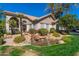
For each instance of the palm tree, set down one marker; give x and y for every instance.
(60, 8)
(20, 16)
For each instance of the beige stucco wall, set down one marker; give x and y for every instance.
(37, 26)
(27, 24)
(7, 23)
(45, 21)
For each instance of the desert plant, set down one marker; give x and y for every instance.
(32, 31)
(66, 39)
(56, 34)
(19, 39)
(43, 31)
(52, 30)
(1, 41)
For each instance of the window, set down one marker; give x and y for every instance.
(33, 26)
(47, 26)
(30, 25)
(42, 25)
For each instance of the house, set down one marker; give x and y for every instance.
(48, 21)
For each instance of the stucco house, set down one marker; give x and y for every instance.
(48, 21)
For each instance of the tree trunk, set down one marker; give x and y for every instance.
(11, 30)
(21, 25)
(67, 29)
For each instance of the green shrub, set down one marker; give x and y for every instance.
(32, 31)
(17, 52)
(3, 48)
(17, 31)
(56, 34)
(66, 39)
(43, 31)
(19, 39)
(1, 33)
(52, 30)
(8, 33)
(1, 41)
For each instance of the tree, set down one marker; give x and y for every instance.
(12, 24)
(68, 22)
(77, 24)
(2, 23)
(20, 16)
(58, 8)
(2, 26)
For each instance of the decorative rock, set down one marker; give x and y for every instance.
(76, 54)
(61, 42)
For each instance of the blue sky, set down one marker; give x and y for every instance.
(28, 8)
(35, 9)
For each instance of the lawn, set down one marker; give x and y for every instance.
(68, 49)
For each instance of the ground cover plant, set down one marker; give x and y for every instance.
(19, 39)
(43, 31)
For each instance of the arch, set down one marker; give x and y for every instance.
(14, 25)
(15, 19)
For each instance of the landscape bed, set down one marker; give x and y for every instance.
(67, 49)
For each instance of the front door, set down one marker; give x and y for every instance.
(24, 27)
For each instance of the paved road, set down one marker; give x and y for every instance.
(74, 33)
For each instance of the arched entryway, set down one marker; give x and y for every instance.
(14, 25)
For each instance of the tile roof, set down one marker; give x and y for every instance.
(31, 18)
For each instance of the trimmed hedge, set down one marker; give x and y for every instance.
(56, 34)
(43, 31)
(52, 30)
(19, 39)
(32, 31)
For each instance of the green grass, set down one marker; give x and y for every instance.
(68, 49)
(3, 48)
(17, 52)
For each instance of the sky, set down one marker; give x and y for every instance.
(34, 9)
(27, 8)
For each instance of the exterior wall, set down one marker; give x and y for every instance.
(7, 24)
(62, 28)
(37, 26)
(28, 24)
(45, 21)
